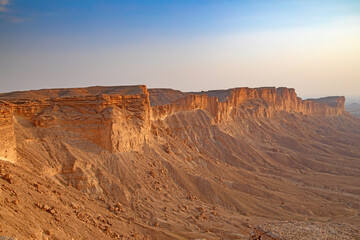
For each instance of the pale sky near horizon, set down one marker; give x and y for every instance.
(312, 46)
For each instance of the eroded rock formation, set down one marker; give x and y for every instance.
(119, 118)
(223, 104)
(116, 120)
(138, 163)
(7, 139)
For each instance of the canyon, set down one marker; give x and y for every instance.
(127, 162)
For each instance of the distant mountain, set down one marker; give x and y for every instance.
(353, 108)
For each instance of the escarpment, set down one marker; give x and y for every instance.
(138, 163)
(119, 118)
(7, 139)
(223, 104)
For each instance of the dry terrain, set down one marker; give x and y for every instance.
(137, 163)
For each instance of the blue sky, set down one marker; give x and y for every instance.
(187, 45)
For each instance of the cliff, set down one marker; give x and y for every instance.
(223, 104)
(116, 119)
(7, 140)
(131, 162)
(119, 118)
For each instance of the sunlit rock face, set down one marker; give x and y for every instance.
(7, 139)
(119, 118)
(225, 160)
(223, 104)
(116, 119)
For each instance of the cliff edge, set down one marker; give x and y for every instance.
(136, 163)
(119, 118)
(223, 104)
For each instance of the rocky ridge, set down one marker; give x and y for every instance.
(7, 141)
(138, 163)
(223, 104)
(119, 118)
(95, 116)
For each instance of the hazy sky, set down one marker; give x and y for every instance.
(312, 46)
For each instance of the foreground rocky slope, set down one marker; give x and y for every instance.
(133, 163)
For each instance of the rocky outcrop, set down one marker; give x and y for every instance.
(7, 140)
(287, 100)
(218, 164)
(223, 104)
(118, 121)
(119, 118)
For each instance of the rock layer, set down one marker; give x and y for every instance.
(100, 163)
(117, 121)
(224, 104)
(7, 140)
(119, 118)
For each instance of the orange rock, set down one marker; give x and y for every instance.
(8, 177)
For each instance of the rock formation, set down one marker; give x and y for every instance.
(224, 104)
(7, 139)
(137, 163)
(119, 118)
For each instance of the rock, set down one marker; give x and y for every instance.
(52, 211)
(116, 208)
(49, 232)
(121, 104)
(8, 177)
(167, 148)
(236, 148)
(46, 207)
(201, 209)
(39, 205)
(74, 205)
(153, 174)
(221, 103)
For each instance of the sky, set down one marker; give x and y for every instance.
(310, 45)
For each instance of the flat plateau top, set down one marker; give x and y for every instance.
(73, 92)
(158, 96)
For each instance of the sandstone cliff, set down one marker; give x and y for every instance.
(223, 104)
(119, 118)
(7, 139)
(116, 119)
(137, 163)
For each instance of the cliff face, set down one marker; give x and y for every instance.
(102, 162)
(116, 122)
(7, 139)
(224, 104)
(119, 118)
(287, 100)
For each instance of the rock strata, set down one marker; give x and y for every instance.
(132, 163)
(119, 119)
(223, 104)
(7, 140)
